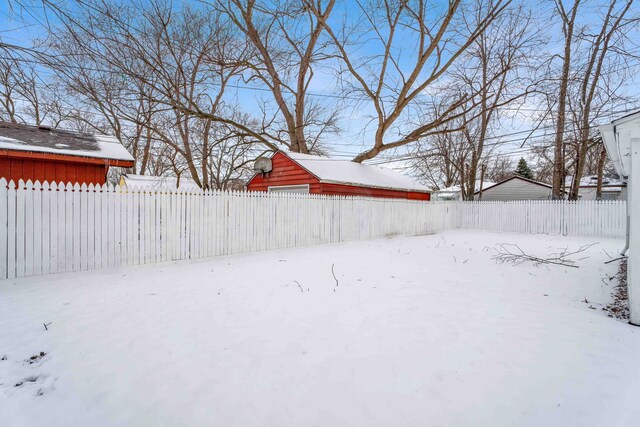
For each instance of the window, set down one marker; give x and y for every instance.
(290, 189)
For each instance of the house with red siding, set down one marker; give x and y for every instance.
(39, 153)
(304, 173)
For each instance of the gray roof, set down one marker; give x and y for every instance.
(19, 137)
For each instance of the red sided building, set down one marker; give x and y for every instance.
(304, 173)
(44, 154)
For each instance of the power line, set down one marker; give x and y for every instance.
(254, 88)
(412, 156)
(380, 159)
(510, 154)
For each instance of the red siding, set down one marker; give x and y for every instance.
(413, 195)
(43, 170)
(350, 190)
(287, 172)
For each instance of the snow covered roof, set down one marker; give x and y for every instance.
(456, 188)
(158, 182)
(18, 137)
(592, 181)
(350, 173)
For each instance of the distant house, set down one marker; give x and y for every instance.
(612, 188)
(454, 192)
(516, 188)
(130, 180)
(288, 172)
(44, 154)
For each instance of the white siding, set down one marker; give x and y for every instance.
(516, 189)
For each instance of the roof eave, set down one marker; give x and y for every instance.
(355, 184)
(67, 158)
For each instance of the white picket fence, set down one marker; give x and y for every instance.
(60, 228)
(595, 218)
(57, 228)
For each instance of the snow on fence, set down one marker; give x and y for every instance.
(52, 228)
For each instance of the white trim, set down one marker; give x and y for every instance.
(633, 196)
(271, 188)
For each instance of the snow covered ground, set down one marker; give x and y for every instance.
(418, 331)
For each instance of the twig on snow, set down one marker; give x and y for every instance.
(334, 274)
(298, 283)
(47, 324)
(615, 259)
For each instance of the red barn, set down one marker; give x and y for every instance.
(44, 154)
(304, 173)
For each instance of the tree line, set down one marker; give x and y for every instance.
(434, 84)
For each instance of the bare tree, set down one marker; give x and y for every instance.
(286, 46)
(568, 18)
(8, 91)
(26, 97)
(492, 73)
(595, 60)
(437, 160)
(496, 70)
(543, 165)
(156, 76)
(589, 81)
(602, 158)
(389, 85)
(499, 168)
(21, 92)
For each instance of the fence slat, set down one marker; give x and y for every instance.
(48, 228)
(4, 228)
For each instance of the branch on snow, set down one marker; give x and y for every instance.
(510, 252)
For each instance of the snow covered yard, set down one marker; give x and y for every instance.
(418, 331)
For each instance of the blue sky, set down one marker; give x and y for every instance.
(356, 129)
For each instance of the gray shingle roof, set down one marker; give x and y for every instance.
(19, 137)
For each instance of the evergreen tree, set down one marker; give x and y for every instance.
(523, 169)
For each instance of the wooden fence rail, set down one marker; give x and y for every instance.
(50, 228)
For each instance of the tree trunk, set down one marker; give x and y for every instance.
(482, 171)
(578, 172)
(145, 153)
(601, 161)
(558, 158)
